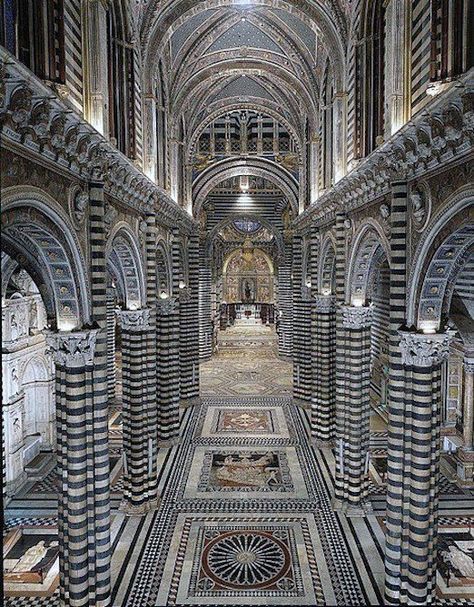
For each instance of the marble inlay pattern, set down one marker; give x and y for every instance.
(248, 560)
(246, 472)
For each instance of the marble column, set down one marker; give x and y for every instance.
(151, 370)
(189, 328)
(353, 410)
(99, 468)
(323, 396)
(301, 328)
(83, 496)
(205, 321)
(468, 403)
(285, 303)
(167, 326)
(139, 495)
(111, 366)
(465, 455)
(413, 479)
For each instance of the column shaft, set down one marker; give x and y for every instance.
(168, 371)
(189, 329)
(111, 370)
(323, 367)
(139, 482)
(285, 304)
(353, 409)
(412, 505)
(205, 325)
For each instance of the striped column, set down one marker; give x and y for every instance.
(167, 326)
(80, 537)
(189, 329)
(150, 371)
(301, 328)
(353, 410)
(413, 492)
(137, 450)
(205, 321)
(98, 422)
(285, 303)
(323, 396)
(111, 371)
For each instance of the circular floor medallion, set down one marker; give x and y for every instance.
(246, 559)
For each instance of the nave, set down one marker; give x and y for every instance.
(246, 515)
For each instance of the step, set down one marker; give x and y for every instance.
(40, 466)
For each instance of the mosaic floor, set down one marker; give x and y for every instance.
(246, 363)
(246, 517)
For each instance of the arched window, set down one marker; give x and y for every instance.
(121, 82)
(161, 144)
(34, 32)
(375, 76)
(327, 129)
(452, 48)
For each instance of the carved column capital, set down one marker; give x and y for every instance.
(184, 294)
(134, 320)
(356, 317)
(424, 350)
(74, 349)
(325, 303)
(166, 306)
(469, 365)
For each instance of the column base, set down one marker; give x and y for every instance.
(351, 510)
(169, 442)
(465, 468)
(320, 443)
(138, 510)
(186, 403)
(304, 404)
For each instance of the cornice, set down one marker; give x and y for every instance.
(438, 136)
(37, 124)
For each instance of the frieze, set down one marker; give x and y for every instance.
(424, 350)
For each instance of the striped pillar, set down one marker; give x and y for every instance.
(301, 328)
(82, 562)
(412, 508)
(167, 326)
(137, 450)
(98, 424)
(285, 303)
(205, 321)
(323, 396)
(353, 410)
(111, 371)
(189, 329)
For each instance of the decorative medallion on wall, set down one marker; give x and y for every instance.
(420, 206)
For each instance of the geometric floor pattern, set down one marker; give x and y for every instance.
(245, 516)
